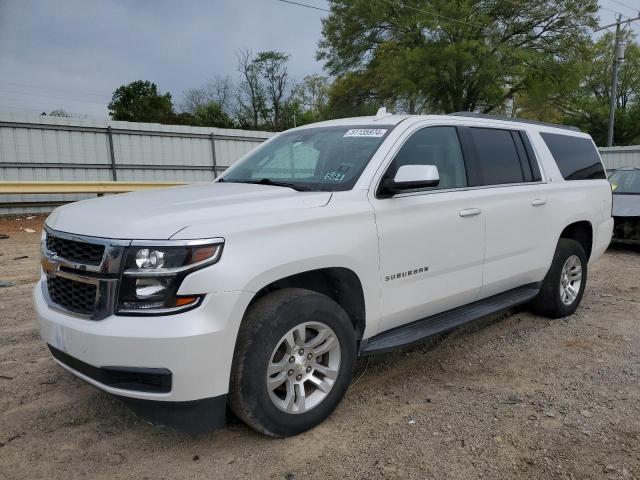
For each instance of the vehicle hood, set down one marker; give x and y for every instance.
(160, 214)
(626, 205)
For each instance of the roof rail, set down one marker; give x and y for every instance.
(511, 119)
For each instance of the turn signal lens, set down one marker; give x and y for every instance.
(203, 253)
(182, 301)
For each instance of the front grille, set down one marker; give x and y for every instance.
(78, 252)
(74, 296)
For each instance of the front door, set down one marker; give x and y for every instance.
(431, 241)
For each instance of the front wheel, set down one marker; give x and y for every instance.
(293, 362)
(563, 287)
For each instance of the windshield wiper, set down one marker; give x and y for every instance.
(274, 183)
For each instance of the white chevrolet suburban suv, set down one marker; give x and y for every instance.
(258, 291)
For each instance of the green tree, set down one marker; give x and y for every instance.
(140, 101)
(218, 90)
(312, 96)
(251, 105)
(262, 89)
(349, 97)
(273, 69)
(443, 55)
(184, 118)
(579, 92)
(212, 114)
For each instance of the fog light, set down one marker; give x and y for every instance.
(151, 287)
(147, 258)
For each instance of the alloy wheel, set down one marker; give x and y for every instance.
(303, 367)
(570, 280)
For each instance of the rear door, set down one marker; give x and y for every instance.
(431, 241)
(512, 198)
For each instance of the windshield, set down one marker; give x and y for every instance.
(324, 158)
(625, 181)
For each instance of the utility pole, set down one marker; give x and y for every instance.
(618, 57)
(613, 103)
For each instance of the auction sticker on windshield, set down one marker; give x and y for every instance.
(366, 132)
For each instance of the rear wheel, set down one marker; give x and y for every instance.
(563, 287)
(293, 362)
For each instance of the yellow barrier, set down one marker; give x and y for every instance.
(79, 187)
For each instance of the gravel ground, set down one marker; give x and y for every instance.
(514, 398)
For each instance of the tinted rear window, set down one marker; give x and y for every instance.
(577, 158)
(497, 156)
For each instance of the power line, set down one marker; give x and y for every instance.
(398, 4)
(48, 108)
(47, 96)
(53, 103)
(14, 107)
(395, 4)
(434, 14)
(305, 5)
(101, 95)
(618, 22)
(39, 110)
(635, 10)
(600, 7)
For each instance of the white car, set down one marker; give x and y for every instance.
(333, 240)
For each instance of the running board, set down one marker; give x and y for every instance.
(414, 332)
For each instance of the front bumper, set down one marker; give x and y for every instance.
(196, 346)
(626, 230)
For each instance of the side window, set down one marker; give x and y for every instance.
(533, 160)
(497, 160)
(437, 146)
(577, 157)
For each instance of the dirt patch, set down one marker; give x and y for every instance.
(518, 398)
(11, 224)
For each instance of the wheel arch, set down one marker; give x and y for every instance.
(338, 283)
(582, 232)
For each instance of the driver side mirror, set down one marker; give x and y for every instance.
(410, 177)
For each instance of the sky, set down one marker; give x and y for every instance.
(72, 54)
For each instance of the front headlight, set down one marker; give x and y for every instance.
(153, 272)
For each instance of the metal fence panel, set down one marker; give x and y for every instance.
(616, 157)
(48, 148)
(44, 148)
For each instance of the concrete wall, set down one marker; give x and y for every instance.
(39, 148)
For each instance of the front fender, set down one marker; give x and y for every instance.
(327, 237)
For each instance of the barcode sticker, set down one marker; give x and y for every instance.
(366, 132)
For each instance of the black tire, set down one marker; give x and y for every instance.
(263, 326)
(549, 302)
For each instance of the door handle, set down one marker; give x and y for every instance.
(470, 212)
(538, 202)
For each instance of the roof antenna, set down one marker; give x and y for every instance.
(382, 113)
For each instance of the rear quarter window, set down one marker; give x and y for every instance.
(576, 157)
